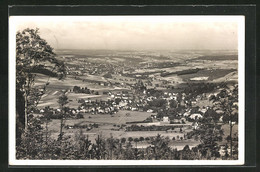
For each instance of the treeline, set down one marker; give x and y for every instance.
(151, 128)
(37, 144)
(194, 89)
(183, 72)
(164, 65)
(44, 71)
(218, 57)
(77, 89)
(51, 113)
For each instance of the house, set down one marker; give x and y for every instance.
(186, 114)
(165, 120)
(153, 116)
(219, 111)
(122, 104)
(203, 110)
(193, 103)
(153, 123)
(232, 123)
(134, 109)
(150, 110)
(221, 119)
(175, 121)
(195, 116)
(195, 125)
(222, 151)
(183, 119)
(101, 111)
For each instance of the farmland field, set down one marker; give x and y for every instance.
(107, 124)
(126, 88)
(210, 74)
(212, 68)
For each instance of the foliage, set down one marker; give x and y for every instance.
(34, 147)
(227, 101)
(36, 143)
(77, 89)
(33, 55)
(158, 103)
(79, 116)
(209, 133)
(107, 75)
(150, 128)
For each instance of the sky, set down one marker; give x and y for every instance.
(134, 32)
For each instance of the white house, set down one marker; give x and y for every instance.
(195, 115)
(166, 119)
(195, 125)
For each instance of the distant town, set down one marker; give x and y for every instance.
(108, 104)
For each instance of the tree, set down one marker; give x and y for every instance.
(173, 103)
(99, 149)
(160, 147)
(107, 75)
(79, 116)
(141, 138)
(160, 103)
(32, 54)
(123, 140)
(130, 139)
(209, 133)
(63, 100)
(117, 100)
(111, 146)
(76, 89)
(226, 100)
(136, 140)
(186, 152)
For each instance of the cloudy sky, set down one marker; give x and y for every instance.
(134, 32)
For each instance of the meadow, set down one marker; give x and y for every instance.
(108, 126)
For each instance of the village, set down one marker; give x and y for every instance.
(127, 100)
(133, 99)
(169, 112)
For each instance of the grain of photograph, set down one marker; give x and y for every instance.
(106, 88)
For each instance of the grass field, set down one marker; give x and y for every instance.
(53, 91)
(211, 74)
(106, 124)
(118, 118)
(103, 119)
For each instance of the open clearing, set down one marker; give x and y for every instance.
(118, 118)
(211, 74)
(107, 124)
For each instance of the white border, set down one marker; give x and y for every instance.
(241, 83)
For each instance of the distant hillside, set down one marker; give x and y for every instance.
(183, 72)
(218, 57)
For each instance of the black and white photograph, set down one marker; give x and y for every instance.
(126, 90)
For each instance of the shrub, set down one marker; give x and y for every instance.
(79, 116)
